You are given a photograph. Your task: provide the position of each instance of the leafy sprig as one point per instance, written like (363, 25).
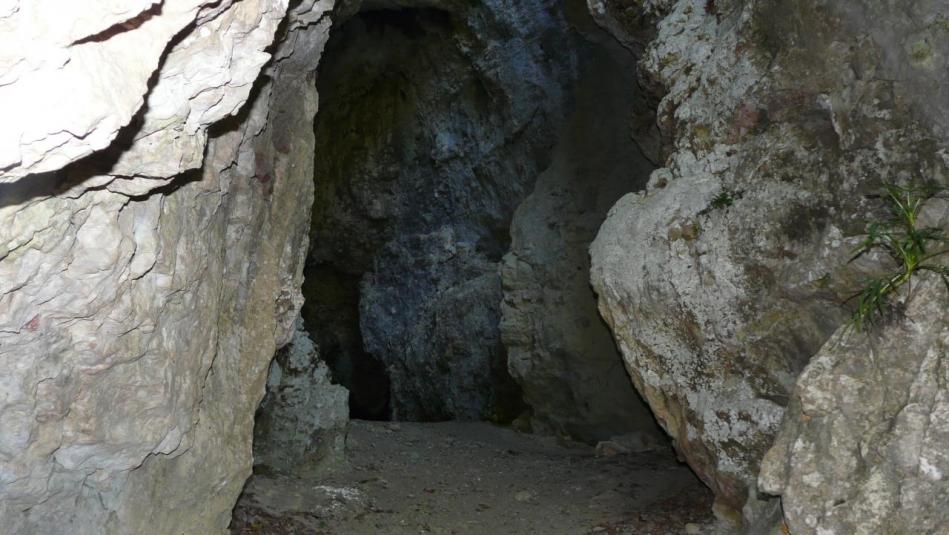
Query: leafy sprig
(913, 249)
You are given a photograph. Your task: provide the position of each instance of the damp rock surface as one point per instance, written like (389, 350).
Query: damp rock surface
(474, 478)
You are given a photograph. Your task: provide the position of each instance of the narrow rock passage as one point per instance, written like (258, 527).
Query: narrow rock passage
(475, 478)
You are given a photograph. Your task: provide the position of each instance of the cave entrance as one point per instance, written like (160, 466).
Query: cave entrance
(465, 159)
(421, 161)
(450, 224)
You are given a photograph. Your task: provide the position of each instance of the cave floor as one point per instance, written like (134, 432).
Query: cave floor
(475, 478)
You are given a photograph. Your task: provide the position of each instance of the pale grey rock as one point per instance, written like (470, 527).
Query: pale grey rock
(92, 66)
(300, 427)
(206, 77)
(136, 323)
(135, 332)
(863, 448)
(631, 22)
(725, 277)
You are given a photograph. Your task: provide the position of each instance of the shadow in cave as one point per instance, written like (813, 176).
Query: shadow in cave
(411, 213)
(448, 164)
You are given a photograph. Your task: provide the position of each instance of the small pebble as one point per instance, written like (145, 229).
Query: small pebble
(524, 496)
(609, 448)
(692, 529)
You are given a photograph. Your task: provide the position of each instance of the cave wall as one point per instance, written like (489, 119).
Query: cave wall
(438, 118)
(726, 277)
(559, 349)
(142, 295)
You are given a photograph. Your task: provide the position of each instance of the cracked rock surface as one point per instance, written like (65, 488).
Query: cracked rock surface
(174, 67)
(136, 323)
(863, 444)
(725, 277)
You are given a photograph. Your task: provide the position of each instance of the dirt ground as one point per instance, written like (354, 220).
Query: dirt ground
(478, 479)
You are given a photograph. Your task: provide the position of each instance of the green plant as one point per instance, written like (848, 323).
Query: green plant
(913, 249)
(724, 199)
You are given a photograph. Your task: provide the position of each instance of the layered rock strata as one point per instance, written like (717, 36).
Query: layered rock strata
(142, 294)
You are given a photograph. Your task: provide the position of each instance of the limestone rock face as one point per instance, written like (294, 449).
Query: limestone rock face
(726, 276)
(301, 423)
(559, 349)
(91, 67)
(136, 323)
(631, 22)
(863, 447)
(438, 120)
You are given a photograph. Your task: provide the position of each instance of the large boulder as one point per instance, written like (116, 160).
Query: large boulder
(300, 428)
(863, 448)
(727, 275)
